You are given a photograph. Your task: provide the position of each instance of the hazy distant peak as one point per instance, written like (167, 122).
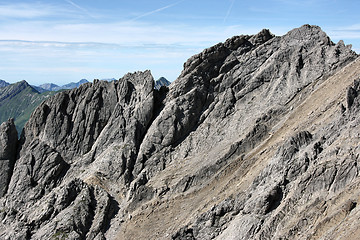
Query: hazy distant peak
(3, 83)
(49, 86)
(74, 85)
(83, 81)
(161, 82)
(54, 87)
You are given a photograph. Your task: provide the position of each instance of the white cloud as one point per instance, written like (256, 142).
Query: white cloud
(345, 32)
(354, 27)
(120, 33)
(126, 33)
(25, 10)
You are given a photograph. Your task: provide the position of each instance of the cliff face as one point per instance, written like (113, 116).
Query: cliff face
(256, 139)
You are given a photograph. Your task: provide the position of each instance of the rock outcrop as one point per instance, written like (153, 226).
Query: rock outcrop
(8, 147)
(256, 139)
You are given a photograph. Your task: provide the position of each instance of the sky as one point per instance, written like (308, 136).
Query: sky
(62, 41)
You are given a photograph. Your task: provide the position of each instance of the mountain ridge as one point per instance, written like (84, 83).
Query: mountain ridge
(18, 101)
(3, 83)
(22, 110)
(245, 144)
(54, 87)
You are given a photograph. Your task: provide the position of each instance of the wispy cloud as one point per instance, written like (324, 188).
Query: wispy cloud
(80, 8)
(344, 32)
(229, 10)
(353, 27)
(63, 61)
(116, 49)
(156, 10)
(128, 33)
(24, 10)
(21, 45)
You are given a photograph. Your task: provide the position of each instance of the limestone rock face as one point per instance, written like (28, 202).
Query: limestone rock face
(256, 139)
(8, 145)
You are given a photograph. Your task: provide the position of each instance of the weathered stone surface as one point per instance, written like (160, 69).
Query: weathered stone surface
(36, 173)
(8, 145)
(252, 141)
(208, 110)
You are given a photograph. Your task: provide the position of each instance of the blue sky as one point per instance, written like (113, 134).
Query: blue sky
(62, 41)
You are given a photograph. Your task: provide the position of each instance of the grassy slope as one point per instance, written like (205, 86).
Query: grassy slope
(21, 105)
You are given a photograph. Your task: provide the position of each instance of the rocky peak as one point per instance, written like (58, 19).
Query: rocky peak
(226, 152)
(13, 89)
(79, 115)
(307, 33)
(161, 82)
(216, 55)
(262, 37)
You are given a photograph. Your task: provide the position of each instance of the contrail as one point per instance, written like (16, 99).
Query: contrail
(80, 8)
(229, 10)
(157, 10)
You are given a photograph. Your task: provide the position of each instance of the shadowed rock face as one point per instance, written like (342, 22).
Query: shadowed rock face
(8, 145)
(256, 139)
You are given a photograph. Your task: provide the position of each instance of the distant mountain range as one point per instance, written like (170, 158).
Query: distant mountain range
(20, 99)
(53, 87)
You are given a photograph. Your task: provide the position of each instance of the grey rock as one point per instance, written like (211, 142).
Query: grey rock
(230, 150)
(8, 146)
(204, 102)
(99, 120)
(36, 173)
(352, 93)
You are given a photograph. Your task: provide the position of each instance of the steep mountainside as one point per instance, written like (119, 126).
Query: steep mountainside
(49, 87)
(3, 83)
(18, 101)
(39, 89)
(161, 82)
(256, 139)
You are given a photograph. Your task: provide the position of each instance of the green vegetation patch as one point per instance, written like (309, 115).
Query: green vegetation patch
(18, 101)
